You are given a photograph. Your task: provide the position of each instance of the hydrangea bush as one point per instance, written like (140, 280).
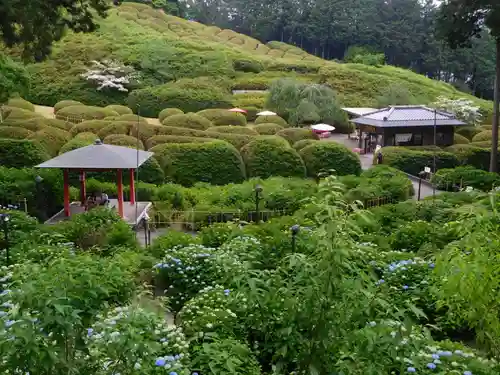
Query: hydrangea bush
(133, 340)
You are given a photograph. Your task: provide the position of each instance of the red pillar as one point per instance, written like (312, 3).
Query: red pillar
(120, 192)
(83, 188)
(66, 193)
(132, 187)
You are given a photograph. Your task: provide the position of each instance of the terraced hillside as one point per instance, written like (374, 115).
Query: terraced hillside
(187, 65)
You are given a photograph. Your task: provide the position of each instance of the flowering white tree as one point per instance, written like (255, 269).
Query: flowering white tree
(463, 109)
(108, 74)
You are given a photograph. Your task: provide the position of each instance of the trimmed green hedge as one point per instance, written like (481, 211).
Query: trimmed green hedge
(460, 139)
(77, 113)
(271, 119)
(14, 132)
(468, 131)
(21, 103)
(123, 140)
(188, 120)
(267, 128)
(145, 131)
(217, 163)
(234, 130)
(120, 109)
(92, 126)
(275, 140)
(237, 140)
(65, 103)
(162, 139)
(81, 140)
(15, 114)
(52, 139)
(167, 112)
(483, 136)
(116, 127)
(413, 162)
(223, 117)
(447, 179)
(293, 135)
(35, 124)
(265, 158)
(325, 156)
(299, 145)
(131, 118)
(16, 153)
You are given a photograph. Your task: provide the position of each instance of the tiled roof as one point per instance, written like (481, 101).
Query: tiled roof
(99, 156)
(403, 116)
(359, 111)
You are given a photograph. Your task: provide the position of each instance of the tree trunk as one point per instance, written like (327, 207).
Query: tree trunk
(496, 113)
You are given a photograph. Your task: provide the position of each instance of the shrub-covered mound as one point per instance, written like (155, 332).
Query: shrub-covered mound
(115, 127)
(52, 139)
(461, 177)
(325, 156)
(131, 117)
(267, 128)
(65, 103)
(80, 140)
(275, 140)
(77, 113)
(169, 112)
(162, 139)
(120, 109)
(234, 130)
(16, 153)
(14, 132)
(271, 119)
(92, 126)
(223, 117)
(21, 103)
(265, 158)
(216, 162)
(413, 161)
(188, 120)
(299, 145)
(460, 139)
(15, 114)
(123, 140)
(293, 135)
(468, 131)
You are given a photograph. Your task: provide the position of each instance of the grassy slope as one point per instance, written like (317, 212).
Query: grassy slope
(165, 48)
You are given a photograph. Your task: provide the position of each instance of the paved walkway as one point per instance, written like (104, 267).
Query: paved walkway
(367, 163)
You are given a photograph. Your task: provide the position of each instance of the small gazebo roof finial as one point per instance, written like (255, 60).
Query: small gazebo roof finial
(98, 142)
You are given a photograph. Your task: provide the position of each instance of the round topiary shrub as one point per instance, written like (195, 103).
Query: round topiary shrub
(162, 139)
(223, 117)
(116, 127)
(17, 153)
(217, 163)
(131, 118)
(275, 140)
(266, 158)
(151, 172)
(234, 130)
(267, 128)
(167, 112)
(293, 135)
(52, 139)
(145, 131)
(468, 131)
(89, 126)
(483, 136)
(32, 125)
(14, 132)
(459, 139)
(123, 140)
(325, 156)
(120, 109)
(65, 103)
(77, 113)
(188, 120)
(486, 127)
(271, 119)
(16, 114)
(299, 145)
(81, 140)
(21, 103)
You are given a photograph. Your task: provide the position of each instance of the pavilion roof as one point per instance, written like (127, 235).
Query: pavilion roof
(99, 156)
(408, 116)
(359, 111)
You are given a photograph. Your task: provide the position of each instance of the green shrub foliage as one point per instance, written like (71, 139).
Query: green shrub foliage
(169, 112)
(217, 163)
(14, 132)
(131, 117)
(271, 119)
(483, 136)
(460, 139)
(52, 139)
(81, 140)
(293, 135)
(223, 117)
(413, 162)
(162, 139)
(468, 131)
(16, 153)
(92, 126)
(461, 177)
(65, 103)
(123, 140)
(15, 114)
(21, 103)
(265, 158)
(267, 128)
(188, 120)
(299, 145)
(77, 113)
(326, 156)
(234, 130)
(115, 127)
(120, 109)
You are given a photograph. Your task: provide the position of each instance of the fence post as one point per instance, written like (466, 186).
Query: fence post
(25, 205)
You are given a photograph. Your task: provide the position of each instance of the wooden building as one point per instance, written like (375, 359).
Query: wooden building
(408, 125)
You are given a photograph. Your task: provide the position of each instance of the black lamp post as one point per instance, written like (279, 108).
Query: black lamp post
(258, 190)
(295, 229)
(421, 174)
(4, 219)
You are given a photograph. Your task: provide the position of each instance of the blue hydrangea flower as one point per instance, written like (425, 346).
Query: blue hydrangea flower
(432, 366)
(9, 323)
(160, 362)
(195, 373)
(163, 339)
(411, 369)
(226, 292)
(89, 332)
(405, 287)
(435, 356)
(173, 373)
(467, 372)
(432, 265)
(381, 281)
